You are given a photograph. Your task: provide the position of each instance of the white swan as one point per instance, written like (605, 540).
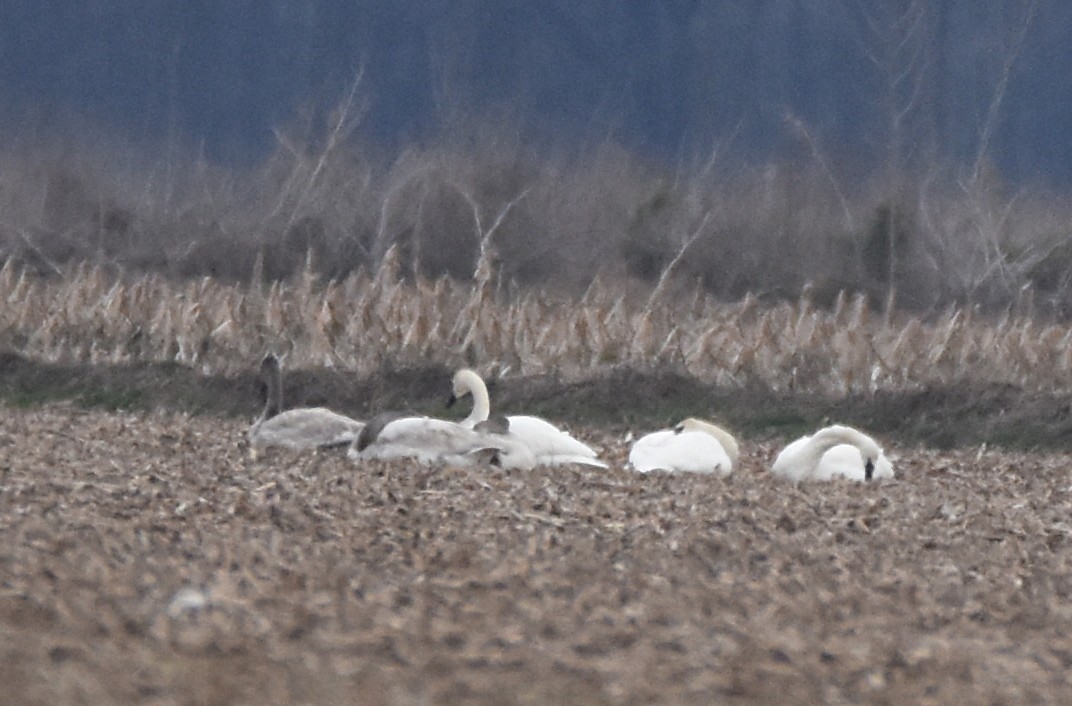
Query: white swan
(434, 441)
(833, 451)
(512, 451)
(693, 445)
(549, 444)
(297, 429)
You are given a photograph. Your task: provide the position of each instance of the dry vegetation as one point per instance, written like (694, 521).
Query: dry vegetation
(362, 323)
(554, 218)
(147, 559)
(480, 250)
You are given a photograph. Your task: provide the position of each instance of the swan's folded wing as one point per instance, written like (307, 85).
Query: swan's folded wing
(306, 428)
(425, 439)
(546, 440)
(566, 459)
(695, 452)
(649, 451)
(787, 463)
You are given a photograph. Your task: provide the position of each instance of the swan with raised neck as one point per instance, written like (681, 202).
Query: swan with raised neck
(549, 444)
(297, 429)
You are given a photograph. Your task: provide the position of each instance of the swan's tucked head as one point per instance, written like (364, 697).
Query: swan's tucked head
(869, 448)
(721, 435)
(692, 424)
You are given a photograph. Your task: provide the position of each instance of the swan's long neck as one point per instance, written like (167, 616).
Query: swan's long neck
(811, 454)
(273, 403)
(824, 440)
(728, 443)
(481, 403)
(722, 436)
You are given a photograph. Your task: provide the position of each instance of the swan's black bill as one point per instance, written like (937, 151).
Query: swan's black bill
(869, 470)
(451, 400)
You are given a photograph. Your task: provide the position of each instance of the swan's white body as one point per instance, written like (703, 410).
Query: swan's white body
(548, 444)
(835, 451)
(692, 446)
(296, 429)
(512, 452)
(426, 440)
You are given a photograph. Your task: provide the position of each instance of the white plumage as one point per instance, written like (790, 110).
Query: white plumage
(836, 451)
(548, 444)
(692, 446)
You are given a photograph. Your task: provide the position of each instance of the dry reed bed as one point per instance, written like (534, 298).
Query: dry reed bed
(365, 321)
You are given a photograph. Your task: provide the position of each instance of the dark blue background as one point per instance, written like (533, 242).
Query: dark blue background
(666, 78)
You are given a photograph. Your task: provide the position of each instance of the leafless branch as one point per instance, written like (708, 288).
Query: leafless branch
(345, 123)
(664, 278)
(801, 129)
(25, 238)
(486, 236)
(998, 97)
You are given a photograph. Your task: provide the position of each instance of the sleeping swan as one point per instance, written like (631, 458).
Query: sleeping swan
(693, 445)
(297, 429)
(833, 451)
(549, 445)
(435, 441)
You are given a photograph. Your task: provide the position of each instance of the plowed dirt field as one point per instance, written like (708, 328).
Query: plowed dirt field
(147, 559)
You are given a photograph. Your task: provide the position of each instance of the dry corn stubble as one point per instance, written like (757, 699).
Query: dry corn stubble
(361, 322)
(147, 558)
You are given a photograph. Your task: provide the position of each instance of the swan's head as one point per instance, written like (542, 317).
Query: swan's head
(372, 429)
(693, 424)
(721, 435)
(869, 448)
(269, 385)
(465, 382)
(871, 452)
(269, 369)
(269, 364)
